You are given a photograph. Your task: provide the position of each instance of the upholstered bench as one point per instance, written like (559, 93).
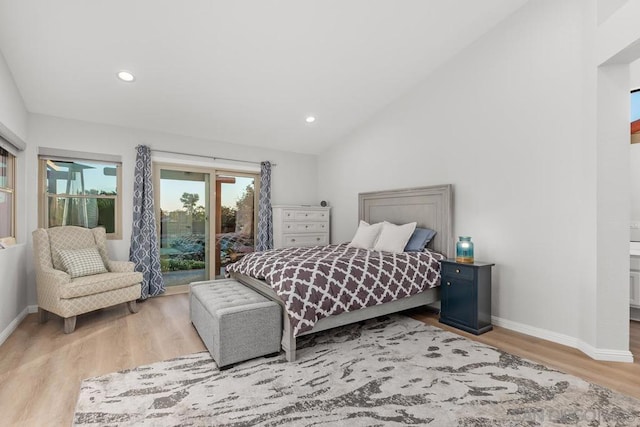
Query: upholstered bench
(235, 322)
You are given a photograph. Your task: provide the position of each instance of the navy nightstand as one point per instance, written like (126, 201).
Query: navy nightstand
(465, 294)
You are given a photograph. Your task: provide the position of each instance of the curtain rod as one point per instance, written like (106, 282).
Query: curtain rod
(208, 157)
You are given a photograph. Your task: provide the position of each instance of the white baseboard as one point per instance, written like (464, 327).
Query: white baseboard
(603, 354)
(14, 324)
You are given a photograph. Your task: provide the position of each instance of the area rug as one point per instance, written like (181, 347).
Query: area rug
(388, 371)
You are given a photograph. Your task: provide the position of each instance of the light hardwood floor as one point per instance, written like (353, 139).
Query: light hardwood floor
(41, 368)
(623, 377)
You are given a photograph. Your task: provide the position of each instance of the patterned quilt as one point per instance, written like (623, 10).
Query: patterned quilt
(321, 281)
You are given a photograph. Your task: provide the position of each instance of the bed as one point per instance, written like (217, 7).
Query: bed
(431, 207)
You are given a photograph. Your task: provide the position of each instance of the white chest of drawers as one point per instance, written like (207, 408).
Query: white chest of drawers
(295, 226)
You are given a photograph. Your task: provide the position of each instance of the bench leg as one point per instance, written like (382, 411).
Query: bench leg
(69, 324)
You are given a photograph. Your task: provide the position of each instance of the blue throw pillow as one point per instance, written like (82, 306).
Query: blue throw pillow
(419, 240)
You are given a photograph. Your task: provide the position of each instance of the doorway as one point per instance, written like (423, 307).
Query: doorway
(182, 212)
(206, 220)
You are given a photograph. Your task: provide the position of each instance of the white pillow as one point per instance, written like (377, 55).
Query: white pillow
(366, 235)
(393, 238)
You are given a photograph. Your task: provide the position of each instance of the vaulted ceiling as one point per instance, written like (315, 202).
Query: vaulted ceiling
(239, 71)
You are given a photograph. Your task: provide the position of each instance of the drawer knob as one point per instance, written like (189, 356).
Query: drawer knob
(457, 270)
(306, 226)
(293, 240)
(448, 283)
(306, 214)
(318, 239)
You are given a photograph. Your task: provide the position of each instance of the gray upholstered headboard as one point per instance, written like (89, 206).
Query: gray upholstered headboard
(430, 207)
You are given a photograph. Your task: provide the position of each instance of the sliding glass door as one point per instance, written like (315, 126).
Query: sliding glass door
(203, 227)
(236, 201)
(184, 225)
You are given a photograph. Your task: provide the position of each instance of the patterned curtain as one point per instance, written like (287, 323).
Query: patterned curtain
(264, 240)
(144, 250)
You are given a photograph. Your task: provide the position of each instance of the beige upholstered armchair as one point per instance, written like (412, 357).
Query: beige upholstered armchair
(74, 274)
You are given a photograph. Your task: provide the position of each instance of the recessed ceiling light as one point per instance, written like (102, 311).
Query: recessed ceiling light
(310, 119)
(126, 76)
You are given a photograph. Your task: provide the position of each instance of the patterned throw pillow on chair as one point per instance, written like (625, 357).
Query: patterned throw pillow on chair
(82, 262)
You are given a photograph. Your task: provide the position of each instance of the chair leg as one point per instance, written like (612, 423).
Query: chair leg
(69, 324)
(132, 306)
(43, 315)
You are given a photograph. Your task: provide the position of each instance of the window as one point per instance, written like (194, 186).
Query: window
(7, 187)
(84, 193)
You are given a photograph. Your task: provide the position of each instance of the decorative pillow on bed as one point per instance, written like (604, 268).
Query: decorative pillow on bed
(393, 238)
(82, 262)
(366, 235)
(419, 240)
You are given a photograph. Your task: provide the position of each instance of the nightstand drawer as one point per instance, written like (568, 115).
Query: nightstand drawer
(457, 271)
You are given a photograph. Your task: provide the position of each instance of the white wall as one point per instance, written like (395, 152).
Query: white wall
(12, 111)
(606, 8)
(13, 303)
(611, 306)
(13, 290)
(293, 179)
(504, 122)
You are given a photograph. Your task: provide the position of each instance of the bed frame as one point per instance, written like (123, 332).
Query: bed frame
(430, 207)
